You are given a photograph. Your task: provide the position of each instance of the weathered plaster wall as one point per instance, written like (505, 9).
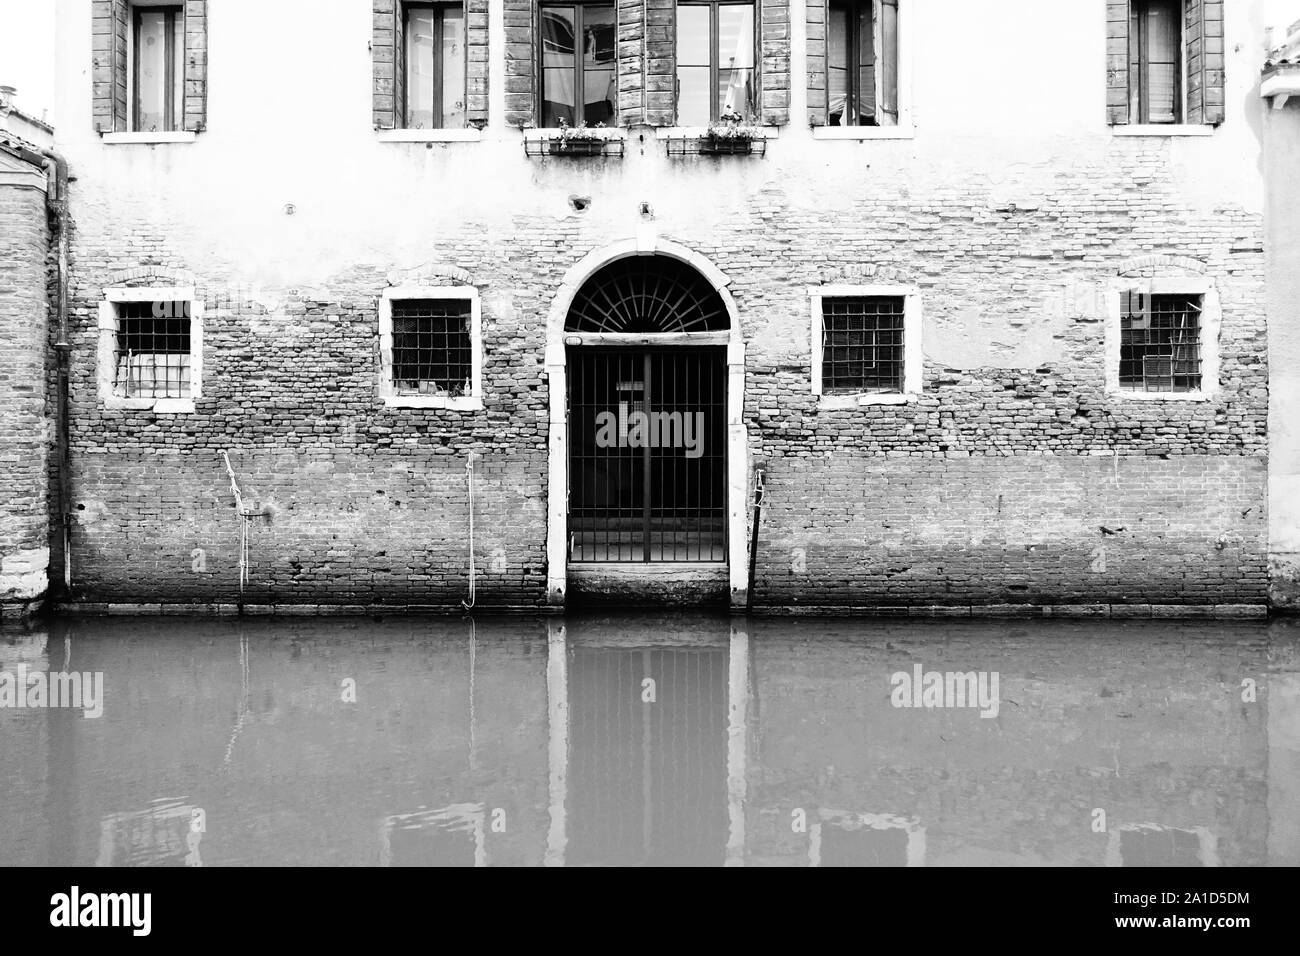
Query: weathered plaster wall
(1282, 158)
(1012, 212)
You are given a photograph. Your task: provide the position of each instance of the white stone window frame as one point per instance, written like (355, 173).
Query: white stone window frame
(1208, 851)
(107, 358)
(848, 820)
(1210, 329)
(912, 360)
(904, 128)
(387, 392)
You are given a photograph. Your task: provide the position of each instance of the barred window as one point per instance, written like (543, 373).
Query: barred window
(432, 347)
(862, 344)
(1160, 342)
(153, 353)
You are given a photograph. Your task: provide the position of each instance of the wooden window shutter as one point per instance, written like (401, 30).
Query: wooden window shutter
(522, 37)
(817, 17)
(383, 54)
(886, 52)
(774, 67)
(661, 62)
(476, 62)
(1203, 27)
(196, 65)
(108, 64)
(1117, 62)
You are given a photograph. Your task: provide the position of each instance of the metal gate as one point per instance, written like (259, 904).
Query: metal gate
(647, 446)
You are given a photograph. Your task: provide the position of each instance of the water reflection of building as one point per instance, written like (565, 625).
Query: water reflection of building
(758, 745)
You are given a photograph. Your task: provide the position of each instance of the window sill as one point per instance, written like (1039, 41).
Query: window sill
(149, 139)
(838, 402)
(1124, 395)
(166, 406)
(1160, 129)
(467, 135)
(863, 132)
(467, 403)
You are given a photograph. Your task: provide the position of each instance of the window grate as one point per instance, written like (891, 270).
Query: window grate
(432, 352)
(1160, 343)
(862, 344)
(153, 350)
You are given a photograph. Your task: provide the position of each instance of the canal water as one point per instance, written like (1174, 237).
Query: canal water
(632, 740)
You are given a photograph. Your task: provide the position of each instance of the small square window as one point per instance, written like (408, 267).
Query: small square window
(430, 347)
(153, 350)
(150, 349)
(432, 350)
(862, 345)
(1160, 342)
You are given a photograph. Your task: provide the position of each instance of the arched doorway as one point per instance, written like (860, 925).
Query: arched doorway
(645, 366)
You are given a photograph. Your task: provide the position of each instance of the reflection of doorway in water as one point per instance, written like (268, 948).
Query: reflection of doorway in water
(647, 781)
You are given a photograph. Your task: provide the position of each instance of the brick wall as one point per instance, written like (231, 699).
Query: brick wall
(24, 248)
(1013, 479)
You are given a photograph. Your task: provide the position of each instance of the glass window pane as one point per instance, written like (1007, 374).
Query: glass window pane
(692, 35)
(736, 92)
(1164, 27)
(557, 65)
(159, 43)
(736, 36)
(420, 34)
(693, 96)
(599, 64)
(453, 66)
(837, 63)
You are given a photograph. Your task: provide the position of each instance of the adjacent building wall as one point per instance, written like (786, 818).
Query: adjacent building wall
(1282, 159)
(24, 250)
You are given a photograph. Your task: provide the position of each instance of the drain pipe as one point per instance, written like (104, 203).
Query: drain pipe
(760, 491)
(57, 210)
(468, 605)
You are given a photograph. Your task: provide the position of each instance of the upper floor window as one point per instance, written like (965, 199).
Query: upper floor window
(1155, 61)
(862, 63)
(434, 54)
(1164, 64)
(716, 59)
(158, 69)
(579, 58)
(149, 69)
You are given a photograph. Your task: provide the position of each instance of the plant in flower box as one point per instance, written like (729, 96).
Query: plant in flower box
(731, 134)
(580, 140)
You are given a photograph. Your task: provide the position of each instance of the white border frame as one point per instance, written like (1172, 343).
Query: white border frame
(1211, 326)
(905, 128)
(384, 383)
(645, 243)
(912, 356)
(107, 347)
(459, 817)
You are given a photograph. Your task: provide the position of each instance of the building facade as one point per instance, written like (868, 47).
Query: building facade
(365, 310)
